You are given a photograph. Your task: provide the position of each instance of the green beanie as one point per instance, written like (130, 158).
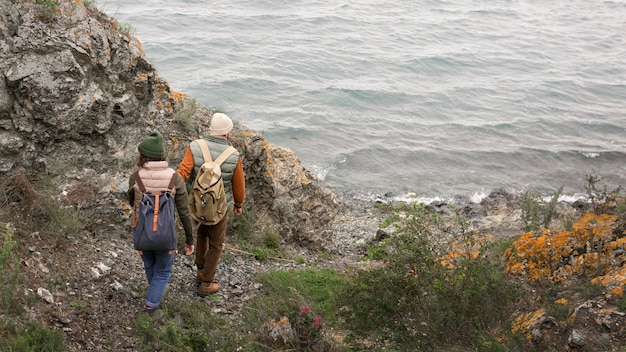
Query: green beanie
(152, 146)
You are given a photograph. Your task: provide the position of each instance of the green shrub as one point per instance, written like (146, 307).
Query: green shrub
(293, 309)
(271, 239)
(621, 304)
(601, 198)
(33, 338)
(90, 3)
(260, 252)
(537, 213)
(23, 210)
(126, 29)
(28, 201)
(49, 9)
(241, 228)
(185, 115)
(263, 243)
(435, 290)
(195, 329)
(9, 272)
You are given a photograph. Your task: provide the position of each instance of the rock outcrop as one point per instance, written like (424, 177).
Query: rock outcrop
(75, 91)
(77, 94)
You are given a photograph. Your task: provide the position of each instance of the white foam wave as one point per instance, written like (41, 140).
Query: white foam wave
(322, 171)
(590, 155)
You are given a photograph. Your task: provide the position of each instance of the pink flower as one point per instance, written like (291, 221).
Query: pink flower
(305, 310)
(317, 321)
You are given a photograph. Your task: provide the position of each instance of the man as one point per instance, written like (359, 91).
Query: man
(210, 238)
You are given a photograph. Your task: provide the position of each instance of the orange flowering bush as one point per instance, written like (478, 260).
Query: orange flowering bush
(593, 248)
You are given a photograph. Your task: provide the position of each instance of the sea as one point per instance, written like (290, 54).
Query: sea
(409, 100)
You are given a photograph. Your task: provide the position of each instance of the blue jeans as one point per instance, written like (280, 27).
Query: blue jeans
(158, 266)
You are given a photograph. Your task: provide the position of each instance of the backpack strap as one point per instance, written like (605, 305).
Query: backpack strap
(172, 183)
(204, 147)
(140, 184)
(206, 153)
(225, 154)
(155, 218)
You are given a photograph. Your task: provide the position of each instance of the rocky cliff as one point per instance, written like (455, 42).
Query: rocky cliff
(77, 94)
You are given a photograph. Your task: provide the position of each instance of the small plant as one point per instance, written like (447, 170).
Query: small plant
(201, 331)
(261, 253)
(9, 270)
(536, 212)
(28, 200)
(90, 4)
(285, 312)
(271, 239)
(185, 115)
(300, 259)
(80, 305)
(263, 243)
(308, 327)
(550, 207)
(602, 200)
(621, 304)
(50, 8)
(530, 211)
(242, 227)
(126, 29)
(553, 300)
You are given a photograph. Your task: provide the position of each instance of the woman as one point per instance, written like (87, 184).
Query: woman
(155, 175)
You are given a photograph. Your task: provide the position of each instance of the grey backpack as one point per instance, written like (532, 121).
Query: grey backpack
(156, 218)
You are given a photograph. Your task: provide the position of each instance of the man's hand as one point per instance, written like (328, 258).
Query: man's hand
(189, 249)
(237, 211)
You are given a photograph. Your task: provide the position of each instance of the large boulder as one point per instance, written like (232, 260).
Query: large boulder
(75, 90)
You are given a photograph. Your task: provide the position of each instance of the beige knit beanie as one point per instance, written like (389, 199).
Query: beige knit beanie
(220, 124)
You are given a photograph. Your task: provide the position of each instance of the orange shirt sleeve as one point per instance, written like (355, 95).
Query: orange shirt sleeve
(186, 165)
(239, 184)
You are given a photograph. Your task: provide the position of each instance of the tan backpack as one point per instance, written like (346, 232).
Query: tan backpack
(207, 200)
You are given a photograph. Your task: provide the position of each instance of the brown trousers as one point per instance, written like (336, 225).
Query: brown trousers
(209, 244)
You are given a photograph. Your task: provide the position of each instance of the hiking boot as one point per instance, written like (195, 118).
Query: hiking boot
(207, 288)
(156, 314)
(199, 274)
